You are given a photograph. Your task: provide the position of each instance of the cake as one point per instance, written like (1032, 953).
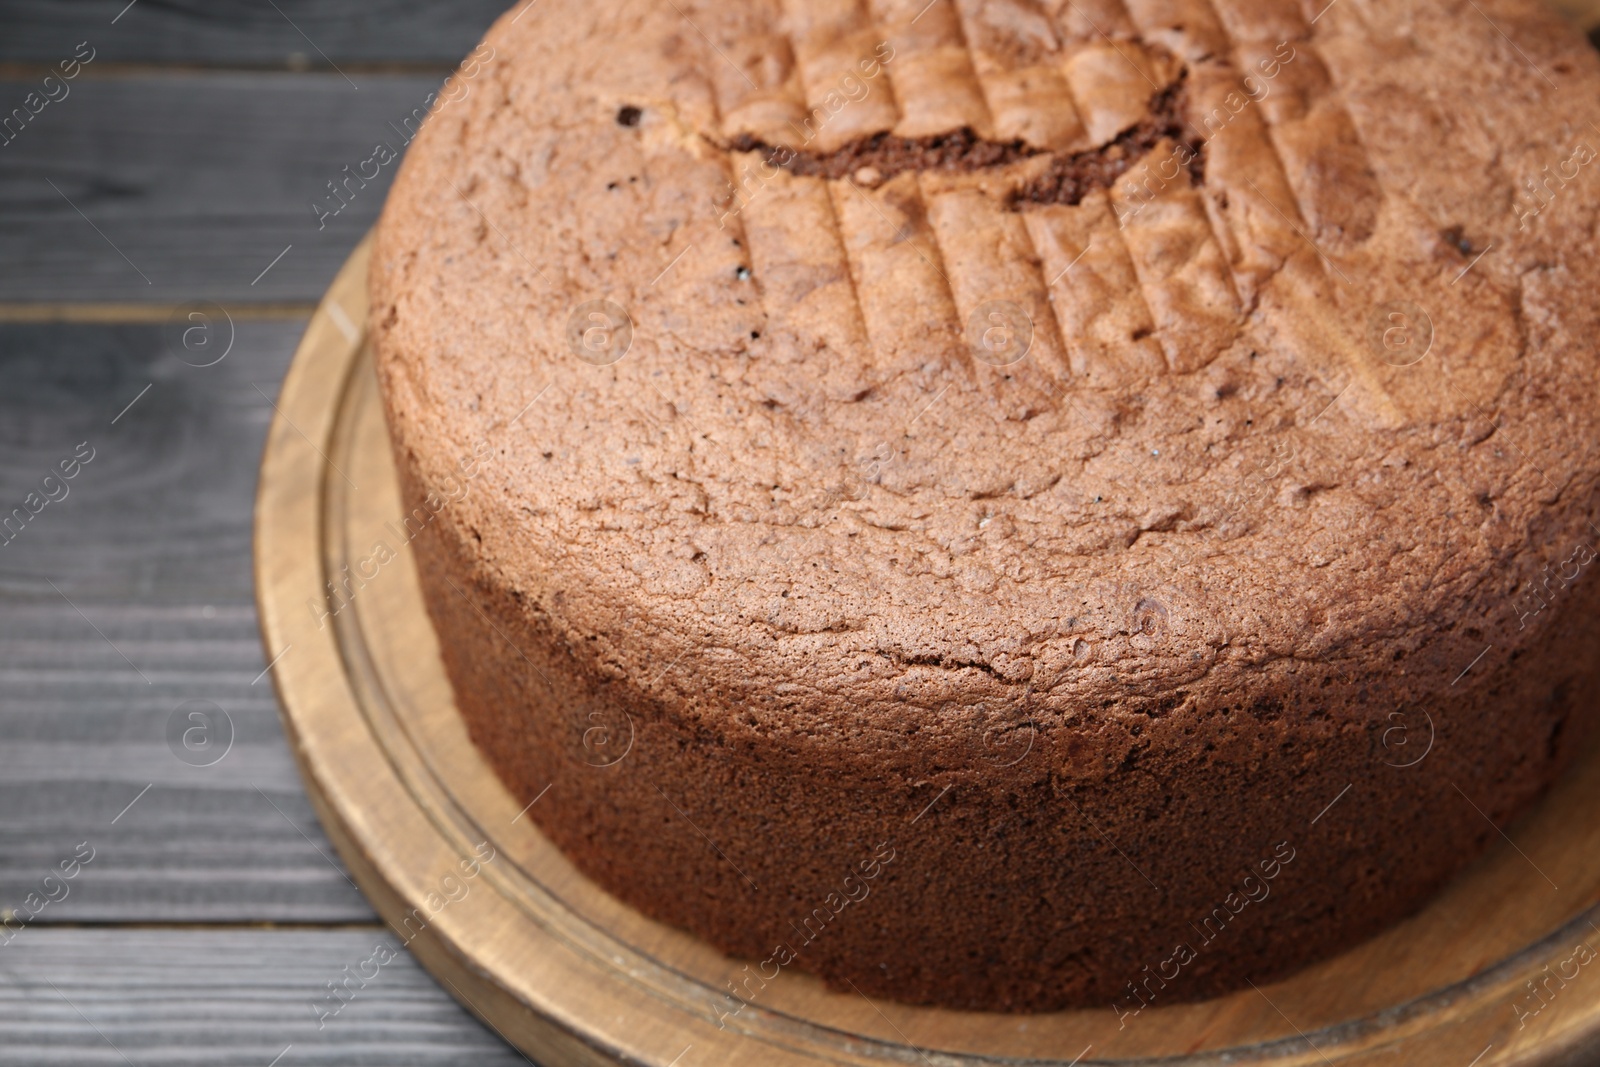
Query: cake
(1009, 505)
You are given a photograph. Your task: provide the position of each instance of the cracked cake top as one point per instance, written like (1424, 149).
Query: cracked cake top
(886, 354)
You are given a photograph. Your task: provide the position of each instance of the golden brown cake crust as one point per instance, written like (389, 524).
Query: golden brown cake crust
(1298, 470)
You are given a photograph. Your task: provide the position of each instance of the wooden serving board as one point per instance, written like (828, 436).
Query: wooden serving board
(571, 976)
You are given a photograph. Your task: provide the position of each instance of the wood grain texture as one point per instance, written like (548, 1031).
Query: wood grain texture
(233, 32)
(188, 186)
(229, 998)
(162, 511)
(148, 552)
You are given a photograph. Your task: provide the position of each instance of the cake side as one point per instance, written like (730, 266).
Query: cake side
(1064, 879)
(1078, 637)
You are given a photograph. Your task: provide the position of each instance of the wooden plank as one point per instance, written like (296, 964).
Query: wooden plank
(191, 186)
(303, 33)
(162, 511)
(228, 997)
(121, 603)
(86, 737)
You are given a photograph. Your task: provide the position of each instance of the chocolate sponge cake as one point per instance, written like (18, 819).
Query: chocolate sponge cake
(1009, 504)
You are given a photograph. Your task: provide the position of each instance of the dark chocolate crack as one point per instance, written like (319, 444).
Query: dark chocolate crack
(875, 159)
(883, 156)
(1072, 177)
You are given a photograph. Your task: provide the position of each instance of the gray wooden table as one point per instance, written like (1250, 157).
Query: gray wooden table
(179, 164)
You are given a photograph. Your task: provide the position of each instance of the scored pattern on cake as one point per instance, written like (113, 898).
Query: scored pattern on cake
(1148, 276)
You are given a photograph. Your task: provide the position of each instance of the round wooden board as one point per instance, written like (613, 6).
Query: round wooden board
(571, 976)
